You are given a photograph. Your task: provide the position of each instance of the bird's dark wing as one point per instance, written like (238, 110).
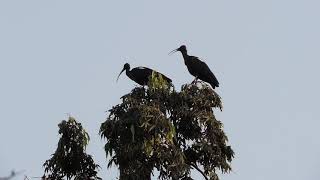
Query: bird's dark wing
(141, 75)
(151, 70)
(204, 72)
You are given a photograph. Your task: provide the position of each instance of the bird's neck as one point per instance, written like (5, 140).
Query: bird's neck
(128, 72)
(185, 55)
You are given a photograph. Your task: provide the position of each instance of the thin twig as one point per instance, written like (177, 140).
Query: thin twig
(197, 168)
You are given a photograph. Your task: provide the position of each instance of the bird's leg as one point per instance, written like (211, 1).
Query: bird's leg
(194, 81)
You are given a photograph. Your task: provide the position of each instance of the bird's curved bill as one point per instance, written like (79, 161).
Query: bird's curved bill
(173, 51)
(120, 74)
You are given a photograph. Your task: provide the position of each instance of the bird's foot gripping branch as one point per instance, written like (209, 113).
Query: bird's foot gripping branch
(173, 132)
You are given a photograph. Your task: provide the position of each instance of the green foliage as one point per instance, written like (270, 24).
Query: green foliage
(70, 159)
(157, 82)
(173, 132)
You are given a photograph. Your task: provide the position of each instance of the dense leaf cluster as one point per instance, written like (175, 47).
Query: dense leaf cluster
(70, 159)
(173, 132)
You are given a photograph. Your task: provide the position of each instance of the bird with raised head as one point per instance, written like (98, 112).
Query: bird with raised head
(197, 68)
(141, 75)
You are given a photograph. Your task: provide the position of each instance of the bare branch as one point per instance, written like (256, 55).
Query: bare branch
(198, 169)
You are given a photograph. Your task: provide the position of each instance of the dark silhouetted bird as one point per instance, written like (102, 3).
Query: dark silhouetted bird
(197, 68)
(141, 75)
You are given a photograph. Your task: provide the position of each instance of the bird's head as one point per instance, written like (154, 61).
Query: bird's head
(125, 67)
(182, 49)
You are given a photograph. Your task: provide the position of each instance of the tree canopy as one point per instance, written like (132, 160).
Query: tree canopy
(170, 131)
(70, 159)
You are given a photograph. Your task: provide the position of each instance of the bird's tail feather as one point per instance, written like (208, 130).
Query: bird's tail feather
(214, 85)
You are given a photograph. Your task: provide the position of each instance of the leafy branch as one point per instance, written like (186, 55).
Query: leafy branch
(160, 128)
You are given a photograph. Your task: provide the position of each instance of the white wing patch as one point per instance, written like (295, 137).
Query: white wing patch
(140, 67)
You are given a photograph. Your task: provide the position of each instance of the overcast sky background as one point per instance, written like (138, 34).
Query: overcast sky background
(59, 57)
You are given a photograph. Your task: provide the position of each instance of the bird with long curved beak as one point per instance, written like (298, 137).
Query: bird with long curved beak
(141, 75)
(197, 68)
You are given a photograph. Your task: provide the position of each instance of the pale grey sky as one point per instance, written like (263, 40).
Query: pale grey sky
(60, 57)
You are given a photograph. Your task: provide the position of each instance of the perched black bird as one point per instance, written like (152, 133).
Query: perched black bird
(197, 68)
(141, 75)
